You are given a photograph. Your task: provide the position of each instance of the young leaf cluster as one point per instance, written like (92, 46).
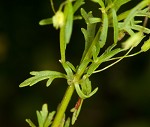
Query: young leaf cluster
(45, 118)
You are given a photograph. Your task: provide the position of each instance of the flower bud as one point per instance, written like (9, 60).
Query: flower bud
(58, 19)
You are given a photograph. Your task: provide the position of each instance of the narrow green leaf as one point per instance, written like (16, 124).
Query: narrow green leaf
(48, 121)
(46, 73)
(30, 123)
(104, 57)
(39, 117)
(71, 66)
(143, 15)
(68, 70)
(86, 15)
(123, 15)
(109, 49)
(77, 4)
(46, 21)
(104, 30)
(88, 54)
(83, 66)
(33, 80)
(100, 2)
(94, 52)
(118, 3)
(90, 36)
(115, 25)
(144, 12)
(98, 60)
(67, 123)
(77, 17)
(37, 79)
(76, 112)
(141, 28)
(134, 11)
(84, 31)
(94, 20)
(44, 113)
(86, 86)
(62, 44)
(68, 12)
(107, 55)
(81, 94)
(49, 81)
(93, 92)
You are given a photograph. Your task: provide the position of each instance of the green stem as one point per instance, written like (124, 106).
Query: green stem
(63, 106)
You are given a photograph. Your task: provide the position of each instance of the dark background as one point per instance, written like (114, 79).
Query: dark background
(123, 99)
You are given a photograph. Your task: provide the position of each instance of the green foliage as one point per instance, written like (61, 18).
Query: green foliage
(96, 38)
(44, 117)
(42, 75)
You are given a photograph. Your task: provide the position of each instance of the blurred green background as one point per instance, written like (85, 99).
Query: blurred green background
(123, 99)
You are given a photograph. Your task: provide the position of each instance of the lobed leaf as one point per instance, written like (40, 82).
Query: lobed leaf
(89, 34)
(43, 114)
(45, 118)
(42, 75)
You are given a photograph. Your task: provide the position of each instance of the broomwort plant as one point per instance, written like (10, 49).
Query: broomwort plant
(126, 26)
